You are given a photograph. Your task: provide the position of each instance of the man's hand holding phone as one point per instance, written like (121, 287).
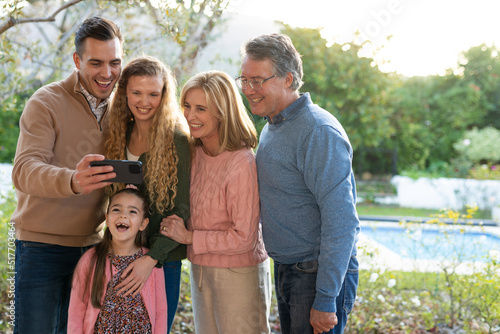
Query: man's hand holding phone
(87, 179)
(127, 171)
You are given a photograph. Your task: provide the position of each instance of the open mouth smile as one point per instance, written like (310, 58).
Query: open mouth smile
(104, 84)
(122, 227)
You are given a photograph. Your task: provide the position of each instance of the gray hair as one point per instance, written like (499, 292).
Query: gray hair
(279, 49)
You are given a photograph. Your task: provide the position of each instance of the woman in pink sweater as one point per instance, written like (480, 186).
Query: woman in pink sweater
(230, 274)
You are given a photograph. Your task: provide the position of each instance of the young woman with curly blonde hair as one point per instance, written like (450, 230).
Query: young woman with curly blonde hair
(146, 125)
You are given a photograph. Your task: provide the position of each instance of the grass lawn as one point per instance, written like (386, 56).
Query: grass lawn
(390, 210)
(386, 210)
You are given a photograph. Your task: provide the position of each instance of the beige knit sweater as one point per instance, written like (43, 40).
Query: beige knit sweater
(57, 128)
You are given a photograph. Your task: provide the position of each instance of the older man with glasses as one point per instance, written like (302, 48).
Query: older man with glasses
(307, 191)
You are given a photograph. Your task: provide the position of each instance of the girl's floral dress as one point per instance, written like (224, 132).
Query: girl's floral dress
(122, 314)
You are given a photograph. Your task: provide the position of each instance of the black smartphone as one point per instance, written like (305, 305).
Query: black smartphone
(127, 171)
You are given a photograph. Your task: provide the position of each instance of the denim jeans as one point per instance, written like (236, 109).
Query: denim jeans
(43, 286)
(296, 289)
(172, 271)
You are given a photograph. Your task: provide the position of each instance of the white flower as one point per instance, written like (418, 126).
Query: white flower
(373, 277)
(466, 142)
(381, 298)
(415, 300)
(391, 283)
(494, 254)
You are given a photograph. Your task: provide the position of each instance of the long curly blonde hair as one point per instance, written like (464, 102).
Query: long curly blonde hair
(161, 165)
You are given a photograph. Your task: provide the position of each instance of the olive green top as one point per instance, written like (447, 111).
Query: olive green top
(163, 248)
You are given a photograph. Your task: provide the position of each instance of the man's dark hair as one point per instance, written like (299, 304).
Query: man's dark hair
(96, 27)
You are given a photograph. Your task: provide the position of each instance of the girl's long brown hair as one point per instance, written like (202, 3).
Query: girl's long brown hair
(161, 165)
(98, 261)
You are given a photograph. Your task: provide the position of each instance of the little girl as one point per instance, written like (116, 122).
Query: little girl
(95, 306)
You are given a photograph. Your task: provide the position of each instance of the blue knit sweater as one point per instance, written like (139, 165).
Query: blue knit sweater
(307, 194)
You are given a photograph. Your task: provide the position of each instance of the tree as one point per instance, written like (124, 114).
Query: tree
(191, 27)
(36, 40)
(481, 70)
(431, 113)
(13, 9)
(350, 87)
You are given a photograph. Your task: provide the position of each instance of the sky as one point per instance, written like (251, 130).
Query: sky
(427, 35)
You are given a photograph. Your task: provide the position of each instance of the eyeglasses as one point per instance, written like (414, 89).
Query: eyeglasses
(254, 84)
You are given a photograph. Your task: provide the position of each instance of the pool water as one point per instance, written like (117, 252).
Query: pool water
(432, 244)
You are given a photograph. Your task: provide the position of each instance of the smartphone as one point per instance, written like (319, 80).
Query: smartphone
(127, 171)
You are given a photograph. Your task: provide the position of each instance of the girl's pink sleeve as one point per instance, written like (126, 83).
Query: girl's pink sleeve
(78, 301)
(161, 302)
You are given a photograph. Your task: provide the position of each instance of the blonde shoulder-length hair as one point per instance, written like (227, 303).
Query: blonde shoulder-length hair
(236, 128)
(161, 164)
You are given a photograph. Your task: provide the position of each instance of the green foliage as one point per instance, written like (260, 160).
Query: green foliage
(381, 210)
(392, 302)
(9, 114)
(431, 114)
(479, 145)
(485, 287)
(481, 70)
(348, 86)
(420, 117)
(184, 319)
(7, 252)
(485, 172)
(456, 168)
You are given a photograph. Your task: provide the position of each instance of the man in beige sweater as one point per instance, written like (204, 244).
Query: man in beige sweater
(60, 200)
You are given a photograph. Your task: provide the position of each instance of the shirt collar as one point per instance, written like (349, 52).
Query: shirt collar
(289, 111)
(92, 100)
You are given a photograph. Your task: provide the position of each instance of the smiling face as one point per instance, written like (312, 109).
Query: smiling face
(144, 96)
(202, 123)
(125, 218)
(274, 95)
(99, 66)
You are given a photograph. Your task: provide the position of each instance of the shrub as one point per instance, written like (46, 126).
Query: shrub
(10, 111)
(485, 172)
(7, 252)
(480, 146)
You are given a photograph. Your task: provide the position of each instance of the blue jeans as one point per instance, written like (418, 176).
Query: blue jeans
(43, 286)
(296, 289)
(172, 272)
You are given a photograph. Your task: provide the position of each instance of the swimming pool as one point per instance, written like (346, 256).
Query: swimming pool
(424, 242)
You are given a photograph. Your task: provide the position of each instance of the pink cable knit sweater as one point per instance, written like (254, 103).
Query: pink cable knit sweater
(225, 210)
